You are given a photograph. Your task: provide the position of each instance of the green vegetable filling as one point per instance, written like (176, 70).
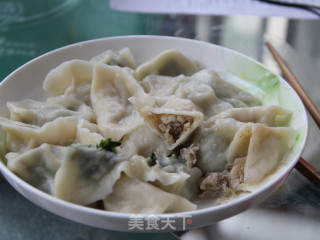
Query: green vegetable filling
(108, 145)
(152, 160)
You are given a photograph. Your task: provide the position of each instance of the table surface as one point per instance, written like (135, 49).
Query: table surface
(292, 212)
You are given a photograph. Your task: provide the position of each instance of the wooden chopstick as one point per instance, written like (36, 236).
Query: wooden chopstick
(305, 168)
(312, 108)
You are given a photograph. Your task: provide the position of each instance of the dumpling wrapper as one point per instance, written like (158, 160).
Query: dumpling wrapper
(37, 113)
(87, 177)
(37, 166)
(211, 156)
(21, 136)
(272, 115)
(70, 78)
(148, 200)
(229, 92)
(216, 134)
(84, 175)
(172, 118)
(111, 87)
(121, 58)
(211, 94)
(169, 63)
(264, 148)
(88, 133)
(143, 142)
(161, 86)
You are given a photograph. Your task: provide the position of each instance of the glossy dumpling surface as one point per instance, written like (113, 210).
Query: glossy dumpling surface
(169, 63)
(173, 119)
(110, 90)
(37, 112)
(150, 200)
(70, 78)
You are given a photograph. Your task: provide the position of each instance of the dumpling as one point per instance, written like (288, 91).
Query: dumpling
(204, 88)
(161, 86)
(87, 175)
(232, 94)
(254, 142)
(172, 182)
(121, 58)
(194, 88)
(37, 113)
(179, 164)
(70, 78)
(269, 115)
(254, 154)
(72, 173)
(199, 88)
(216, 134)
(226, 127)
(37, 166)
(172, 118)
(212, 94)
(212, 153)
(169, 63)
(144, 142)
(191, 189)
(110, 90)
(87, 133)
(21, 136)
(83, 174)
(148, 200)
(3, 145)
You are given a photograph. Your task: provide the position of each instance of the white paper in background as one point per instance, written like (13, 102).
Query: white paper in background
(215, 7)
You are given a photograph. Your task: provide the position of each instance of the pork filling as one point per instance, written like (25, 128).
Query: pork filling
(172, 126)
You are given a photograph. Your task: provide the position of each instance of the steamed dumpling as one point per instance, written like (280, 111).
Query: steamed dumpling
(82, 174)
(212, 154)
(87, 133)
(86, 175)
(144, 142)
(269, 115)
(169, 63)
(37, 166)
(254, 142)
(110, 90)
(148, 200)
(216, 134)
(199, 88)
(161, 86)
(205, 89)
(121, 58)
(70, 78)
(21, 136)
(173, 119)
(37, 112)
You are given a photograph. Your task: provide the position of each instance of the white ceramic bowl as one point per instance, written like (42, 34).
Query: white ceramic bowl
(26, 82)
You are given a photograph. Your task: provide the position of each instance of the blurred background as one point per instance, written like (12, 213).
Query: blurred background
(31, 28)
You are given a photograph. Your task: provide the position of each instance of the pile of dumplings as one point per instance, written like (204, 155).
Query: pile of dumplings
(185, 135)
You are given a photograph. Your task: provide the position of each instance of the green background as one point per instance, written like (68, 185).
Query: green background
(31, 28)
